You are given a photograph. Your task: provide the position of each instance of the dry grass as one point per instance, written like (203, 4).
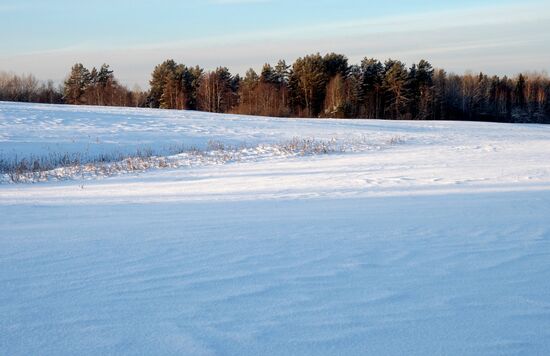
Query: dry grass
(75, 166)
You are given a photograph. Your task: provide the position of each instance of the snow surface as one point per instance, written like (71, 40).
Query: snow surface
(434, 238)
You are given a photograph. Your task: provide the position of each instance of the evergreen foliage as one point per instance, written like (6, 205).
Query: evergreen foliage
(313, 86)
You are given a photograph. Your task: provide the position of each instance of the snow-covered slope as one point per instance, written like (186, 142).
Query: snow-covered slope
(419, 238)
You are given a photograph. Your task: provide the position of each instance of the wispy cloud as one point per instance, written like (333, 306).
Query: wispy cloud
(229, 2)
(426, 21)
(11, 7)
(501, 39)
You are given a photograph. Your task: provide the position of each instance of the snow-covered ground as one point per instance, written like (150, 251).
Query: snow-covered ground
(418, 238)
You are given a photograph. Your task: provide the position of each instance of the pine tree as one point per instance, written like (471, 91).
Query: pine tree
(519, 92)
(336, 64)
(412, 88)
(395, 87)
(353, 93)
(76, 85)
(439, 96)
(190, 81)
(308, 83)
(106, 85)
(162, 74)
(425, 85)
(371, 87)
(282, 72)
(248, 99)
(268, 74)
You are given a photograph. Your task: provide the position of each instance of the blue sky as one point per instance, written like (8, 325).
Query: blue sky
(45, 37)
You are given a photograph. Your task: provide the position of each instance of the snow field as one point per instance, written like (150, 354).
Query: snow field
(436, 244)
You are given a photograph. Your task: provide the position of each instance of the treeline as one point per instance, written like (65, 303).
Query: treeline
(313, 86)
(27, 88)
(82, 87)
(99, 87)
(328, 86)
